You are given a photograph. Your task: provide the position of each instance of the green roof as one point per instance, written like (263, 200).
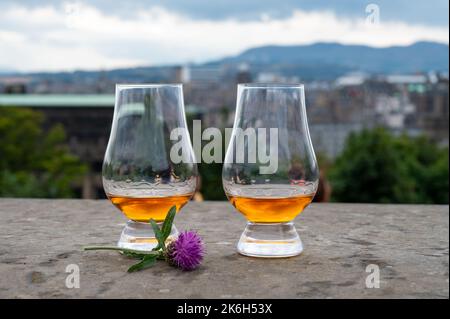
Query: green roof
(67, 100)
(57, 100)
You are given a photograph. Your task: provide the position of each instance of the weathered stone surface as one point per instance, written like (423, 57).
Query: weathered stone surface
(409, 243)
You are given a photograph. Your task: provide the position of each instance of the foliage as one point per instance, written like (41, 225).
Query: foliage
(377, 167)
(34, 162)
(211, 181)
(210, 173)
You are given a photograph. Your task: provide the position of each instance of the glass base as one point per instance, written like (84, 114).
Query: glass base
(140, 236)
(270, 240)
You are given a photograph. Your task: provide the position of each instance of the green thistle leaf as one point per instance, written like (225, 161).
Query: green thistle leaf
(146, 262)
(159, 236)
(167, 225)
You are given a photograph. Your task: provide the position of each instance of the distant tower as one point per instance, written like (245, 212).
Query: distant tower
(183, 74)
(243, 75)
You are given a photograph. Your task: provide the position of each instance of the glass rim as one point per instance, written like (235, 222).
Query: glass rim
(146, 85)
(269, 85)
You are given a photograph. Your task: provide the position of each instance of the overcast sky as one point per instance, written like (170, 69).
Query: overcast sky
(102, 34)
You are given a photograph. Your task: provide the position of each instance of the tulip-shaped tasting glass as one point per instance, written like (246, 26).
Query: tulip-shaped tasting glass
(149, 164)
(270, 172)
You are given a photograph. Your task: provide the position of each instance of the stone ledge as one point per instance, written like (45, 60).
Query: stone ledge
(408, 242)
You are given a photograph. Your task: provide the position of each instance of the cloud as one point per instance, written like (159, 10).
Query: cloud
(80, 36)
(430, 12)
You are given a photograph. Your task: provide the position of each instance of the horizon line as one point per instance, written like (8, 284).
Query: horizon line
(166, 65)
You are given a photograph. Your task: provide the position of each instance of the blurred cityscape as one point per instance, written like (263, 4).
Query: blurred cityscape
(340, 102)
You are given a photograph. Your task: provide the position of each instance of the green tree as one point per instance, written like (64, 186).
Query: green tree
(211, 181)
(428, 166)
(210, 174)
(377, 167)
(35, 163)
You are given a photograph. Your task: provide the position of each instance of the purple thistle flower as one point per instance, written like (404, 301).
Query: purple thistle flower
(186, 252)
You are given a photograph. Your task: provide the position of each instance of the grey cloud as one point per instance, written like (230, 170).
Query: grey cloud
(431, 12)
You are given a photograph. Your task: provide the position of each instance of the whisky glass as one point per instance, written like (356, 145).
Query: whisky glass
(270, 173)
(149, 164)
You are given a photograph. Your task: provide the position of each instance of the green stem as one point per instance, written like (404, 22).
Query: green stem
(121, 249)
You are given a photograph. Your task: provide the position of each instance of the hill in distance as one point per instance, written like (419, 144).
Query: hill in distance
(319, 61)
